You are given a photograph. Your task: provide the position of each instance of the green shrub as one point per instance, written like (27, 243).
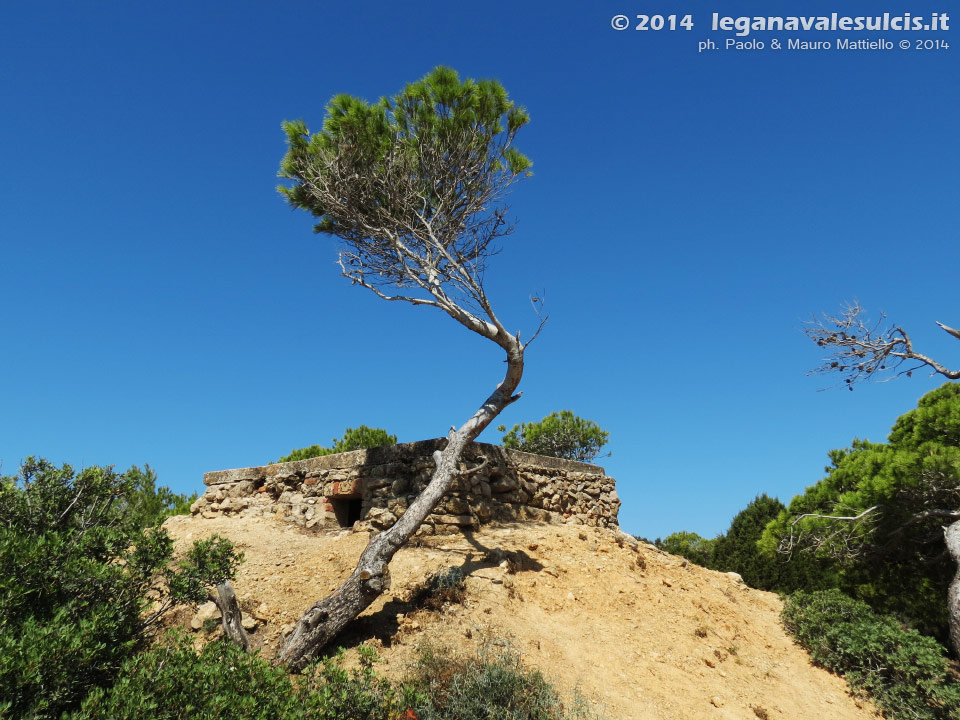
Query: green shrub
(560, 434)
(77, 572)
(493, 685)
(149, 505)
(904, 672)
(69, 612)
(333, 693)
(443, 586)
(353, 439)
(172, 681)
(690, 545)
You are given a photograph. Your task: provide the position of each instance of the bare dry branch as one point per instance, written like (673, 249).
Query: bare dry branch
(860, 350)
(452, 220)
(841, 538)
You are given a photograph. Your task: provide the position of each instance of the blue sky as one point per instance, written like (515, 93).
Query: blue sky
(161, 304)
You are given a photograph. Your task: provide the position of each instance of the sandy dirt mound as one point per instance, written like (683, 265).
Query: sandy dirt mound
(642, 634)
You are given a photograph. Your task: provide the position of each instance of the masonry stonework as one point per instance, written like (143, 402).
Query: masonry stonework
(370, 489)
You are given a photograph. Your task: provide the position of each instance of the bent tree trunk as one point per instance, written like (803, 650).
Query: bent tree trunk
(371, 577)
(951, 534)
(230, 615)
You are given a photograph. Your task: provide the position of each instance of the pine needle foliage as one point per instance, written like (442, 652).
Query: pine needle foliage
(412, 184)
(353, 439)
(877, 517)
(560, 434)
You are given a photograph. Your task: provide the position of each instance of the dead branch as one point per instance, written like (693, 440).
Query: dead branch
(861, 350)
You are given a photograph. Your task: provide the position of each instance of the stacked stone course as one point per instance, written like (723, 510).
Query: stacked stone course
(370, 489)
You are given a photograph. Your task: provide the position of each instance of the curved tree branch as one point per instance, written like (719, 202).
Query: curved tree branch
(860, 350)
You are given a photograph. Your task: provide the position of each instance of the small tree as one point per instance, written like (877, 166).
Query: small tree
(353, 439)
(737, 550)
(878, 516)
(151, 505)
(560, 434)
(413, 186)
(694, 547)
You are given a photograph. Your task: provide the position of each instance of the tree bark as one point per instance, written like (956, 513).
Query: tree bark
(230, 615)
(371, 577)
(951, 535)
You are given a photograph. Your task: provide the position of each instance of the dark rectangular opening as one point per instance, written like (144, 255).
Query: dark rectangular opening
(347, 510)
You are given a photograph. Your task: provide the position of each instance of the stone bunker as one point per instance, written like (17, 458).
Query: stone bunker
(370, 489)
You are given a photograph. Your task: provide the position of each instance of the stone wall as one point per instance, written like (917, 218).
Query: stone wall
(374, 487)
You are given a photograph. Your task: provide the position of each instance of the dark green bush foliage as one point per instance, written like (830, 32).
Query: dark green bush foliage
(893, 558)
(151, 505)
(447, 585)
(560, 434)
(904, 672)
(690, 545)
(353, 439)
(77, 571)
(493, 685)
(208, 562)
(737, 550)
(69, 612)
(172, 681)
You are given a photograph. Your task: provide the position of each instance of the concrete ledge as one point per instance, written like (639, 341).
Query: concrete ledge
(400, 453)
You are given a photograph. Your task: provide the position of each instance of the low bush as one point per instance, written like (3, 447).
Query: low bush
(353, 439)
(560, 434)
(904, 672)
(447, 585)
(491, 685)
(172, 681)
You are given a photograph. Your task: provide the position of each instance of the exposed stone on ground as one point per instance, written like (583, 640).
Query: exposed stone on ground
(207, 611)
(248, 622)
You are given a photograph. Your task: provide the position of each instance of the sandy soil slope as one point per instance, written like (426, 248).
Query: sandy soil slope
(642, 634)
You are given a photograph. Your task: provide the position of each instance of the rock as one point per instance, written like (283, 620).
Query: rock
(483, 509)
(381, 517)
(207, 611)
(736, 578)
(716, 701)
(503, 484)
(262, 612)
(457, 506)
(248, 622)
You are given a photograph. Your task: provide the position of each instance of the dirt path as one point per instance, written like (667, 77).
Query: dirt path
(641, 632)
